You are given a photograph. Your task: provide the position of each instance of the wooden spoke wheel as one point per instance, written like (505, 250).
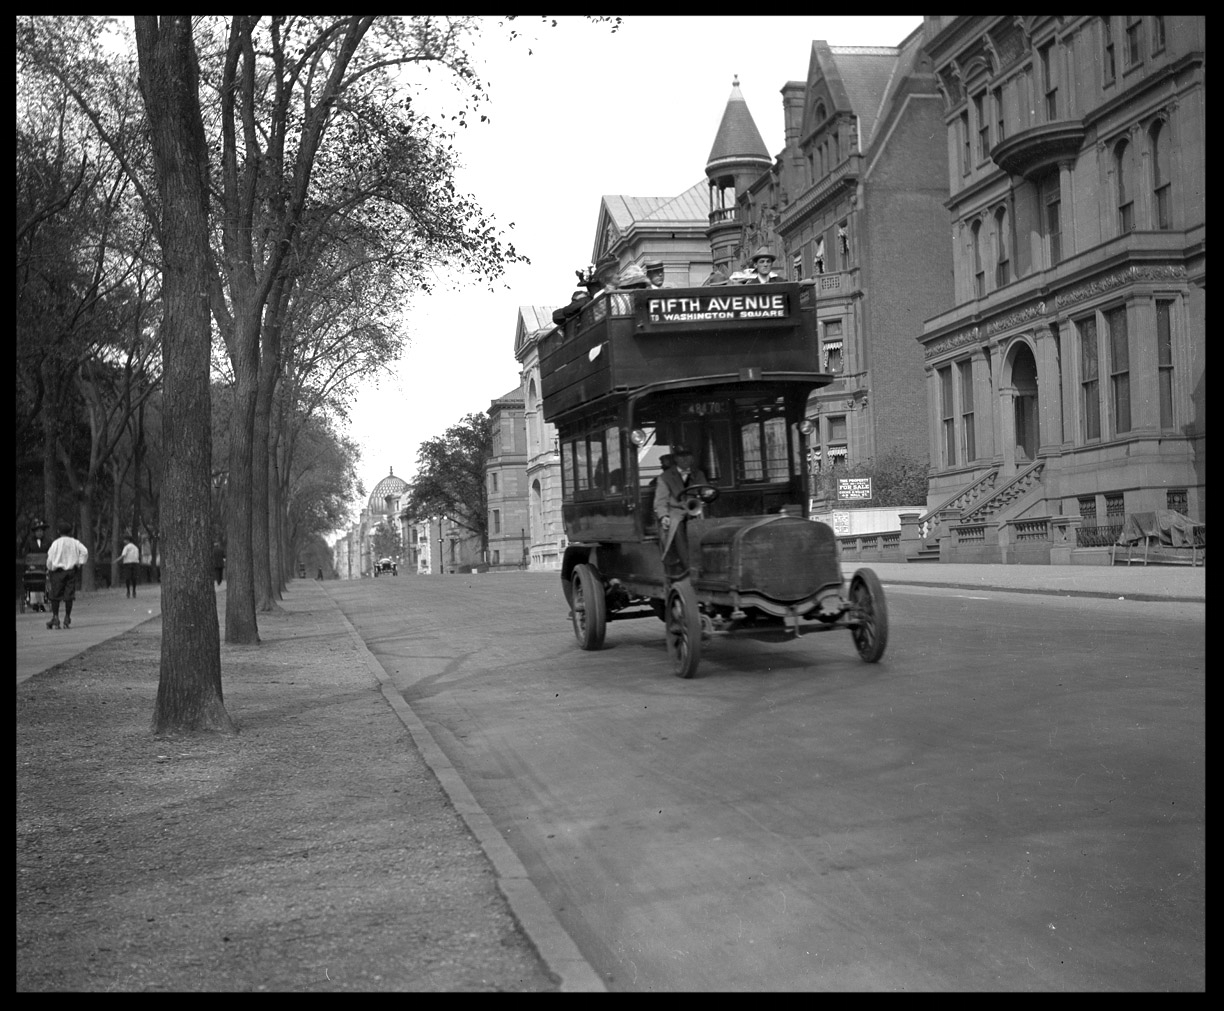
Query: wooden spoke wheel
(868, 615)
(589, 609)
(683, 629)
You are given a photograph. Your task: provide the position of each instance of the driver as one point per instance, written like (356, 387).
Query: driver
(669, 508)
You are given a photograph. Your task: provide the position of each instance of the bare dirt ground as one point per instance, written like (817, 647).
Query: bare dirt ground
(314, 850)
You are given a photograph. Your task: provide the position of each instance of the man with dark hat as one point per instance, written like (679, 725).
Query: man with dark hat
(37, 544)
(655, 274)
(669, 507)
(577, 300)
(762, 267)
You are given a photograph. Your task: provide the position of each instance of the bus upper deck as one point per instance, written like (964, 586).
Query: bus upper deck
(623, 341)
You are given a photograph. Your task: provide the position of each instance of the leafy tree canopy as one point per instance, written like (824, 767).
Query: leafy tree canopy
(450, 478)
(387, 543)
(897, 479)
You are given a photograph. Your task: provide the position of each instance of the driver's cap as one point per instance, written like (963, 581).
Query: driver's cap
(681, 450)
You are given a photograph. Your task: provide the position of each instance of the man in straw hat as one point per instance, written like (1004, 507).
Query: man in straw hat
(762, 267)
(632, 277)
(655, 274)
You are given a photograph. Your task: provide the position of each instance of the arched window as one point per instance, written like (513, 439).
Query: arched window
(979, 276)
(1003, 248)
(1161, 190)
(820, 114)
(1125, 171)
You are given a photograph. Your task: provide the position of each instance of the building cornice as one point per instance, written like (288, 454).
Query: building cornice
(844, 176)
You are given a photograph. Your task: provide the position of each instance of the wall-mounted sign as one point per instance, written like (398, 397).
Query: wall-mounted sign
(853, 488)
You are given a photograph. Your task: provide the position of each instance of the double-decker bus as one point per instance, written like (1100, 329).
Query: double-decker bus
(726, 372)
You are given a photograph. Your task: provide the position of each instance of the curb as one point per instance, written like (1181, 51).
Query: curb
(1051, 591)
(529, 907)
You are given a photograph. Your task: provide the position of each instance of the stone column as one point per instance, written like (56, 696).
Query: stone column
(911, 535)
(1007, 428)
(1063, 534)
(983, 406)
(1049, 388)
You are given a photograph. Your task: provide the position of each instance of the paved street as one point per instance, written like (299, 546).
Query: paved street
(1013, 799)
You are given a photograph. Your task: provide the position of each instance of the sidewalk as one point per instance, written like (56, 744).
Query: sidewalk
(315, 850)
(96, 617)
(1134, 582)
(103, 614)
(323, 848)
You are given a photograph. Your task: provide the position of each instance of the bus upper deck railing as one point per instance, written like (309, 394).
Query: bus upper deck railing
(626, 340)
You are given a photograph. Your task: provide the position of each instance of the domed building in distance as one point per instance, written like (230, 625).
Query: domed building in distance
(387, 498)
(384, 505)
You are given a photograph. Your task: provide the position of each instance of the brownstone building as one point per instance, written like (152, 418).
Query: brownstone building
(854, 206)
(1065, 381)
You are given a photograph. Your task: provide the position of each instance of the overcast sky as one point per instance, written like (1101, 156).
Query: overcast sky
(589, 112)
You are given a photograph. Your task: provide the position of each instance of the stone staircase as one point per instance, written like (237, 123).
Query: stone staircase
(975, 512)
(934, 524)
(1008, 495)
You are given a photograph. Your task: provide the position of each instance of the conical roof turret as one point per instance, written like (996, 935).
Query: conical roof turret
(738, 139)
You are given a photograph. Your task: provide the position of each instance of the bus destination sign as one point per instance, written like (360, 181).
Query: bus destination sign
(664, 312)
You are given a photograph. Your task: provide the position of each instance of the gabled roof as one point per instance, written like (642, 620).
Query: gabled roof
(532, 320)
(515, 396)
(687, 206)
(738, 136)
(533, 317)
(620, 214)
(861, 80)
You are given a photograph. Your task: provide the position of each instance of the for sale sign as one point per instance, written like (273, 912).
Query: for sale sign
(853, 489)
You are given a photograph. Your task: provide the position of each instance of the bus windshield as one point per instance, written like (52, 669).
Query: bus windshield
(736, 439)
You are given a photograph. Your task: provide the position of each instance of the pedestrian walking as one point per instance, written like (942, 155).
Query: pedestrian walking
(218, 561)
(65, 555)
(35, 552)
(130, 559)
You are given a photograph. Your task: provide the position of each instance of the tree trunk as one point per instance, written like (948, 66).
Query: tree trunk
(85, 512)
(240, 623)
(261, 514)
(274, 525)
(189, 689)
(50, 436)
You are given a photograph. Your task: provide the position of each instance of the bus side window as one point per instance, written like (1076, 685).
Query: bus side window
(567, 470)
(616, 476)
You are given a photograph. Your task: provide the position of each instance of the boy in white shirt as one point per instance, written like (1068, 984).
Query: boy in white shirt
(64, 557)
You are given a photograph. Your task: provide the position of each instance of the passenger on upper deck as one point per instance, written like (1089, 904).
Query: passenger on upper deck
(655, 274)
(717, 278)
(577, 300)
(762, 264)
(631, 277)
